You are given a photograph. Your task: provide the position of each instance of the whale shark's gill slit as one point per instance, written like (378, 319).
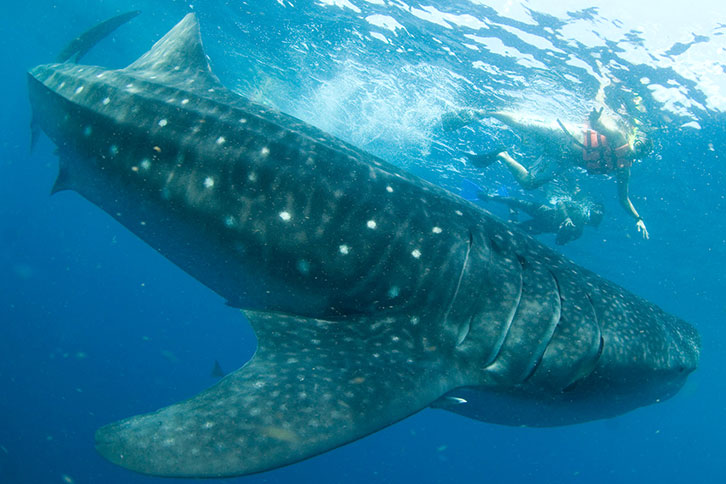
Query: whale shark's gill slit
(464, 330)
(505, 333)
(596, 358)
(601, 343)
(546, 341)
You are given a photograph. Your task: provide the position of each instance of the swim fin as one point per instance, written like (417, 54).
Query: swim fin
(470, 190)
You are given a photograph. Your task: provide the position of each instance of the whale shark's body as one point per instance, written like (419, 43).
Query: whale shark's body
(373, 294)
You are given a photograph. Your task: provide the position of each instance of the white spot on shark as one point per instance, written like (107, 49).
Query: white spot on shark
(389, 189)
(221, 140)
(145, 164)
(106, 100)
(416, 253)
(163, 122)
(113, 150)
(285, 216)
(265, 151)
(208, 182)
(394, 291)
(79, 90)
(344, 249)
(371, 224)
(229, 221)
(184, 101)
(436, 230)
(303, 266)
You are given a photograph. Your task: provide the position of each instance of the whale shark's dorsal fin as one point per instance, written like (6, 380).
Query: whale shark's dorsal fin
(178, 56)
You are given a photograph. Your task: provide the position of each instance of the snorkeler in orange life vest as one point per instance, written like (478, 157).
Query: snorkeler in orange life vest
(600, 147)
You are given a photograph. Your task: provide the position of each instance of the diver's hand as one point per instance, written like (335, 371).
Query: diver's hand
(642, 229)
(595, 116)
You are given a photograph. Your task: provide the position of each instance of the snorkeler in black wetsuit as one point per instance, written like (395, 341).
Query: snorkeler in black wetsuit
(566, 218)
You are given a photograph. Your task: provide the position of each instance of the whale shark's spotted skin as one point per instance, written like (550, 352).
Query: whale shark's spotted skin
(373, 293)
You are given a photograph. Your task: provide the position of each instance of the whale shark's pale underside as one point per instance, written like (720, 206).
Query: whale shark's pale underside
(373, 294)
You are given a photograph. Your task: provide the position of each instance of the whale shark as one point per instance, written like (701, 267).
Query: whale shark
(373, 294)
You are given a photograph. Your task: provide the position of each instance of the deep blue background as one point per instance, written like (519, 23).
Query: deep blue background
(96, 326)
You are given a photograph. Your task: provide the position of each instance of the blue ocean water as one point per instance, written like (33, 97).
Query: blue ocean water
(96, 326)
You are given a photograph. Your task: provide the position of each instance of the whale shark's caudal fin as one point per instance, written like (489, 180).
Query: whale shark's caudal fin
(80, 46)
(312, 385)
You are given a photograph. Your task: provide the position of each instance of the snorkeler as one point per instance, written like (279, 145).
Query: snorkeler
(566, 218)
(601, 147)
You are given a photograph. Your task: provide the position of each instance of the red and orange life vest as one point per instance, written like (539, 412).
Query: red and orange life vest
(599, 158)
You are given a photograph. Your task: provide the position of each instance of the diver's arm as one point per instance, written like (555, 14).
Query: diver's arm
(564, 215)
(623, 176)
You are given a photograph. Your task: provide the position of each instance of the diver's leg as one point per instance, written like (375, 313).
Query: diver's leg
(524, 177)
(547, 132)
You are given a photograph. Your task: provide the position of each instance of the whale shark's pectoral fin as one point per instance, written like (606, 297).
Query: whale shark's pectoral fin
(312, 385)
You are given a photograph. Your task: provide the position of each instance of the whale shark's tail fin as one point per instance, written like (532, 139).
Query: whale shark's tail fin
(313, 385)
(80, 46)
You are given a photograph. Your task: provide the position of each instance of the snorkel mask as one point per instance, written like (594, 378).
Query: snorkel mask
(642, 144)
